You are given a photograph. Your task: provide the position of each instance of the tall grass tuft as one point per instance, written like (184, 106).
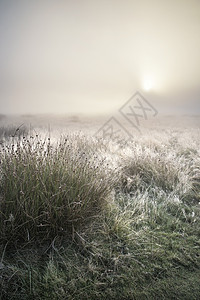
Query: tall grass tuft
(50, 189)
(146, 168)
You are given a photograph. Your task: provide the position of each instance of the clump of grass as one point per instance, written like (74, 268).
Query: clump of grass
(145, 167)
(48, 189)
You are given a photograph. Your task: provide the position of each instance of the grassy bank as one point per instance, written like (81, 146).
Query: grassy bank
(83, 221)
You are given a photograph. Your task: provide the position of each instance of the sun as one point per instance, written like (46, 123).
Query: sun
(148, 84)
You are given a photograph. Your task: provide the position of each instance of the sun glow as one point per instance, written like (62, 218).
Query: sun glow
(148, 84)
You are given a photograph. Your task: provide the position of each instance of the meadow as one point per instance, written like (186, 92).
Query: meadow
(85, 218)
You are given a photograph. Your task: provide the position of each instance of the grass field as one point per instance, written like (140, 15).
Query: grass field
(82, 218)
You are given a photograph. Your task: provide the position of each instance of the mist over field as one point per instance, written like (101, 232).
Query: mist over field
(99, 149)
(89, 57)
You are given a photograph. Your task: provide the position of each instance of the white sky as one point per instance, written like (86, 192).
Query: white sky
(90, 56)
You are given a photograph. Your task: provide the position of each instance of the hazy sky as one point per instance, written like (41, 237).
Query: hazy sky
(90, 56)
